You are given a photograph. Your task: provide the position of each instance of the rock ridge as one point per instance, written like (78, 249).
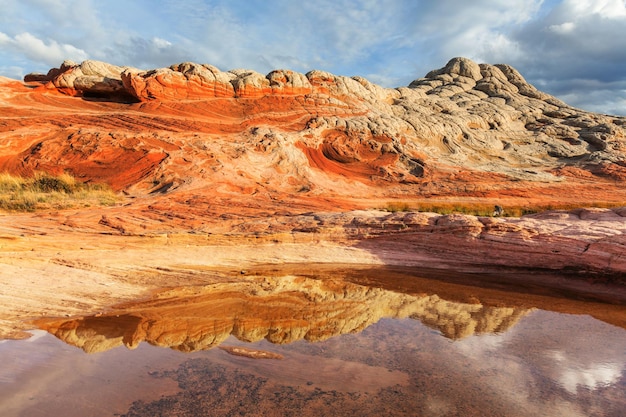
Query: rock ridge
(189, 81)
(485, 118)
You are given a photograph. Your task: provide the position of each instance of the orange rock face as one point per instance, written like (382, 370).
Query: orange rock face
(463, 131)
(193, 148)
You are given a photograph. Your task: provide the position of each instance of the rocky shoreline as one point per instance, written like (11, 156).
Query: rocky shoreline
(62, 272)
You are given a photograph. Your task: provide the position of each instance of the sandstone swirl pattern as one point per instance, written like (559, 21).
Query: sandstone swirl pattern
(454, 127)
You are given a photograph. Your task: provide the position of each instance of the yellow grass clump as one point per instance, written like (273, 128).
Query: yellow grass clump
(45, 191)
(486, 210)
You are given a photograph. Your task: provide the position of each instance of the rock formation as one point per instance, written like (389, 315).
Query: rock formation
(589, 243)
(288, 157)
(457, 127)
(90, 78)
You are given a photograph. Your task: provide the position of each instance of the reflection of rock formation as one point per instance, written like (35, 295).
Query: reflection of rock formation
(281, 310)
(457, 320)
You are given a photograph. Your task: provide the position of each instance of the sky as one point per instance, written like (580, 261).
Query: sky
(573, 49)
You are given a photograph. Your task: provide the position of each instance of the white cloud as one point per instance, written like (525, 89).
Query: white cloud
(51, 53)
(479, 30)
(328, 35)
(563, 28)
(14, 72)
(161, 43)
(384, 80)
(606, 98)
(145, 53)
(608, 9)
(576, 51)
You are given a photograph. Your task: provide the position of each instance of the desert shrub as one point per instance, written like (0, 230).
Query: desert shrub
(394, 207)
(10, 183)
(22, 201)
(47, 183)
(486, 210)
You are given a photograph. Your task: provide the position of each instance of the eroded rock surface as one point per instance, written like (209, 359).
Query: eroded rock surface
(466, 129)
(590, 243)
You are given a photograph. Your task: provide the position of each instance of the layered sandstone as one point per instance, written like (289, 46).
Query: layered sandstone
(465, 129)
(590, 243)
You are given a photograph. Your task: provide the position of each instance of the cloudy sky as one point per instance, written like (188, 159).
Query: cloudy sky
(574, 49)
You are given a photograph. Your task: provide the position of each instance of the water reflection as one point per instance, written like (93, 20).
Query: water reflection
(280, 310)
(383, 345)
(562, 365)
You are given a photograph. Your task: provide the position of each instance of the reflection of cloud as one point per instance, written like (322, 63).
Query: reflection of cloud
(480, 345)
(544, 354)
(592, 376)
(35, 335)
(572, 361)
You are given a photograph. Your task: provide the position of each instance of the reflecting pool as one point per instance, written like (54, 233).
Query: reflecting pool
(339, 342)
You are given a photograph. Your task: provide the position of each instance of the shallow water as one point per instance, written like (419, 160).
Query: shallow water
(336, 344)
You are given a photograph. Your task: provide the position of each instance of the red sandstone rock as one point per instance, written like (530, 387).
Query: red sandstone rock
(224, 152)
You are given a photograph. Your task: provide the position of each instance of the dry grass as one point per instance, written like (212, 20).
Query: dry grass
(44, 191)
(485, 210)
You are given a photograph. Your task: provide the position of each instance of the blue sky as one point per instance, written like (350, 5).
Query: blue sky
(574, 49)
